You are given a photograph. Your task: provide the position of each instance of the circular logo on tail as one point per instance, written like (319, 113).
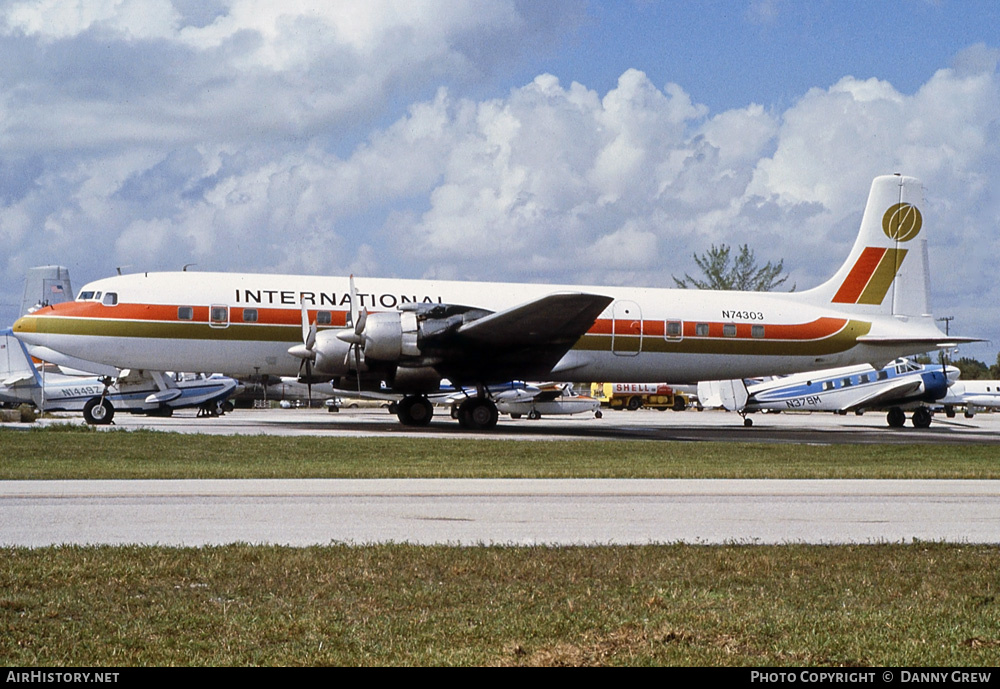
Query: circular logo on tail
(902, 222)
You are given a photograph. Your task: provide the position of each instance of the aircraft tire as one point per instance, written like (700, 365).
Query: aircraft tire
(478, 414)
(748, 422)
(533, 415)
(98, 412)
(415, 411)
(921, 417)
(895, 417)
(598, 414)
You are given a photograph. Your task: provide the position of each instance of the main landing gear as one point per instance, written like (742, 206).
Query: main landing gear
(474, 413)
(921, 417)
(414, 410)
(478, 414)
(98, 411)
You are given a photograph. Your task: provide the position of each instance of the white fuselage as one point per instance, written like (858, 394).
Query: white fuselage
(244, 324)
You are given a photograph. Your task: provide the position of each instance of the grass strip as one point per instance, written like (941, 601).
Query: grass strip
(918, 604)
(79, 453)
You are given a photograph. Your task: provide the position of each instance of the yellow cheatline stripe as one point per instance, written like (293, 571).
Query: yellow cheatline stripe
(116, 327)
(878, 285)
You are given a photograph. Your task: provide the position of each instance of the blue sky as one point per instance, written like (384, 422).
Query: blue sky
(553, 141)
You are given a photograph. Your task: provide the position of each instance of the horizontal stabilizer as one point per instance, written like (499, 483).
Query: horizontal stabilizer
(17, 378)
(929, 342)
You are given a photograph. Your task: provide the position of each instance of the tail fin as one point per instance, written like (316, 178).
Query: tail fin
(16, 369)
(44, 286)
(886, 272)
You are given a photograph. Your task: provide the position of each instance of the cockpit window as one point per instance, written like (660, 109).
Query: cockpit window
(85, 296)
(111, 299)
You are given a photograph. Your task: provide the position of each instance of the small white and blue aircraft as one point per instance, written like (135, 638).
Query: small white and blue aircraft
(902, 385)
(137, 392)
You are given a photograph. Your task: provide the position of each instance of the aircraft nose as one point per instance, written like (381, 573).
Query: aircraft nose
(952, 373)
(26, 325)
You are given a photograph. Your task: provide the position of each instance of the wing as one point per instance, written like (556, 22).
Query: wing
(523, 342)
(889, 392)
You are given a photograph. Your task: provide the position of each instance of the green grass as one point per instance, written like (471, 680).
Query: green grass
(910, 605)
(78, 453)
(793, 605)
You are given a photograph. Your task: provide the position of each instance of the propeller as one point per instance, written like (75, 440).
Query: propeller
(305, 350)
(354, 336)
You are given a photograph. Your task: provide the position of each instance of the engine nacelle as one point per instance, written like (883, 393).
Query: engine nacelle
(421, 379)
(391, 336)
(331, 354)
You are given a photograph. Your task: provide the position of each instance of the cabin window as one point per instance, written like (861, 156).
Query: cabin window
(757, 331)
(882, 375)
(729, 330)
(866, 378)
(185, 313)
(701, 329)
(249, 315)
(323, 318)
(828, 385)
(846, 382)
(111, 299)
(219, 314)
(673, 330)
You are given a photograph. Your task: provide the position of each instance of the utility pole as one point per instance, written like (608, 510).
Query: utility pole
(947, 323)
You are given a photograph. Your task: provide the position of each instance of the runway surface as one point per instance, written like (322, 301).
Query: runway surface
(556, 512)
(518, 512)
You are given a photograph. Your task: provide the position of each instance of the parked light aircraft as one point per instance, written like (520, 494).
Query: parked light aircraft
(21, 381)
(515, 398)
(532, 401)
(409, 334)
(901, 385)
(973, 395)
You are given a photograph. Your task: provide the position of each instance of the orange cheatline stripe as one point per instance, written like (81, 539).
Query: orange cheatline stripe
(859, 276)
(814, 330)
(168, 312)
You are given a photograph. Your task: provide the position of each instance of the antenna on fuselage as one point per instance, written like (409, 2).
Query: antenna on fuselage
(186, 266)
(119, 268)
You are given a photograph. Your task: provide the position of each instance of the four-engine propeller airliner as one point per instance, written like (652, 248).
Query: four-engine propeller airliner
(409, 334)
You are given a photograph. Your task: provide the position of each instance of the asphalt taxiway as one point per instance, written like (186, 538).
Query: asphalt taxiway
(815, 427)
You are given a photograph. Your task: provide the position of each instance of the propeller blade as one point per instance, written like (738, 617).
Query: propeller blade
(305, 324)
(362, 319)
(354, 301)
